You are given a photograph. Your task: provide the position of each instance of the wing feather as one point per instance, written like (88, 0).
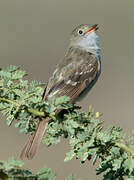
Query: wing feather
(73, 76)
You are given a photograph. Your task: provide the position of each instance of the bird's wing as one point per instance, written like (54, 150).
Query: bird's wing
(73, 75)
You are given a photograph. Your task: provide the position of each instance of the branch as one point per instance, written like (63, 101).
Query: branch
(30, 110)
(129, 150)
(22, 102)
(10, 101)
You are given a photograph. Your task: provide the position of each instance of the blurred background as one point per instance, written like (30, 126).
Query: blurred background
(34, 35)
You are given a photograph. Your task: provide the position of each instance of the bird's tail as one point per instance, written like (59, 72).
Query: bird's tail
(34, 141)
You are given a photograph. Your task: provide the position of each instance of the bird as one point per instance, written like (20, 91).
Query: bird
(74, 76)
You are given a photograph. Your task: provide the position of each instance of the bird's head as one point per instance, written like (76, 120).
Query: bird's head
(85, 37)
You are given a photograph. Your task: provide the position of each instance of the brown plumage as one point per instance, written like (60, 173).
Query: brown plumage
(75, 74)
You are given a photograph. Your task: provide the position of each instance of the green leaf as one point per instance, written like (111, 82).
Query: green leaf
(129, 165)
(10, 120)
(62, 100)
(69, 156)
(45, 173)
(11, 163)
(12, 68)
(72, 177)
(117, 164)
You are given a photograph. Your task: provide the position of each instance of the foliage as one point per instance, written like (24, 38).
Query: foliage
(12, 170)
(72, 177)
(23, 102)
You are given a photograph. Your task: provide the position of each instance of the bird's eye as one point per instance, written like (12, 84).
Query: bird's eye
(80, 32)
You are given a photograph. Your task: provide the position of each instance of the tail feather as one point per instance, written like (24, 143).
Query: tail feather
(27, 147)
(34, 141)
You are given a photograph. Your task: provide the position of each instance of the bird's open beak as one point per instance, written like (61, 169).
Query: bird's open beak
(93, 28)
